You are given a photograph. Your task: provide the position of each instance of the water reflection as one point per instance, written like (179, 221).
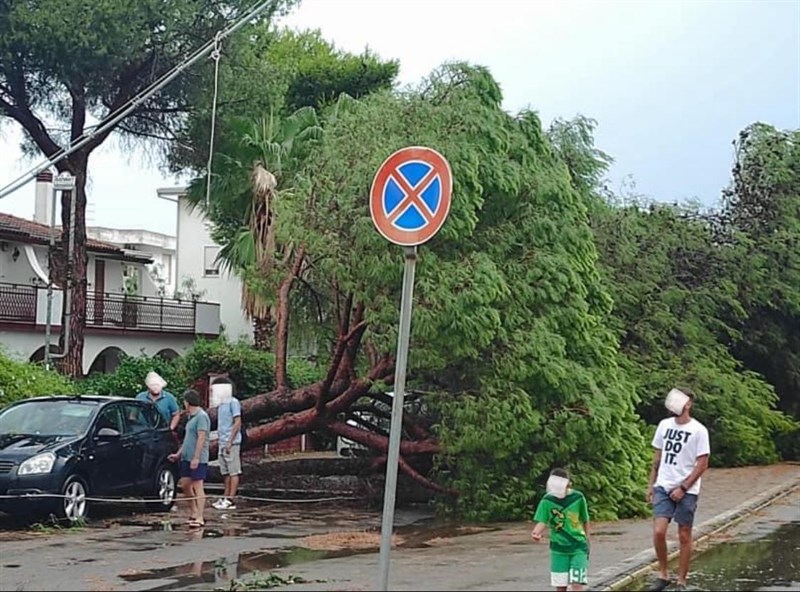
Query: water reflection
(768, 563)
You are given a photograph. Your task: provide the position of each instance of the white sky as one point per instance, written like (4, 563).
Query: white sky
(670, 83)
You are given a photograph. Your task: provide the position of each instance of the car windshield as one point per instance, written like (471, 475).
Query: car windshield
(48, 418)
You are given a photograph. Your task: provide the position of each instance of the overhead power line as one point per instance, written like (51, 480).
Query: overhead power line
(114, 118)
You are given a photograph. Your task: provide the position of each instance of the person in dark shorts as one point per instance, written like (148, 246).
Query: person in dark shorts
(193, 456)
(681, 450)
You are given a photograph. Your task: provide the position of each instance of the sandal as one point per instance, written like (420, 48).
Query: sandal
(194, 523)
(660, 584)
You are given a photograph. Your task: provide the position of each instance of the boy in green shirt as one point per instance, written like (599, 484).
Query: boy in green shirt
(565, 512)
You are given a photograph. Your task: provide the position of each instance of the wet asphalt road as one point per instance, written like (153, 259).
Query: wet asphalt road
(123, 549)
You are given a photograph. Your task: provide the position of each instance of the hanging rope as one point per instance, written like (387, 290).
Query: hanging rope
(215, 55)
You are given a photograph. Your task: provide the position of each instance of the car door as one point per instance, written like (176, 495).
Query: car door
(108, 458)
(141, 433)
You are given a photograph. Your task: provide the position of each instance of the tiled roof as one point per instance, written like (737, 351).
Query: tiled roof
(27, 231)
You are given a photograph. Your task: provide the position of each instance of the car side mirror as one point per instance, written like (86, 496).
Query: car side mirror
(107, 434)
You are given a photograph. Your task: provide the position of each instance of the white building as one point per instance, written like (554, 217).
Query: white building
(158, 247)
(198, 269)
(125, 313)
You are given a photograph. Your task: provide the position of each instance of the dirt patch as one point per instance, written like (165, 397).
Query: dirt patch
(340, 541)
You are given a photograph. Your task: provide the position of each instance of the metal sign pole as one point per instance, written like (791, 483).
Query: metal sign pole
(390, 490)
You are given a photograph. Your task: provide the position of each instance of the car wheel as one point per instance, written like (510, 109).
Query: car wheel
(164, 490)
(73, 506)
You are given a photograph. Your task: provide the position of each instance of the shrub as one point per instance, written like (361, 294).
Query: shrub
(128, 379)
(20, 380)
(252, 371)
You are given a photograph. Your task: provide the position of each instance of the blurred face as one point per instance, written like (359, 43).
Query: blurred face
(154, 389)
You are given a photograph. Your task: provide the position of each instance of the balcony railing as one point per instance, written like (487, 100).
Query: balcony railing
(142, 313)
(17, 304)
(27, 305)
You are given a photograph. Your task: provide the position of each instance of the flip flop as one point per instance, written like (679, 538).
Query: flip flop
(660, 584)
(196, 524)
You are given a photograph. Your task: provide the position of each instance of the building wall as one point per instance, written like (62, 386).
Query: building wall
(23, 345)
(19, 271)
(160, 247)
(193, 236)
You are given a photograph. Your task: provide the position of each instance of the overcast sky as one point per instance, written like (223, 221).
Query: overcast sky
(670, 84)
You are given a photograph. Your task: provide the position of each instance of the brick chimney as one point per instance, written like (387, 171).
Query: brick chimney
(44, 198)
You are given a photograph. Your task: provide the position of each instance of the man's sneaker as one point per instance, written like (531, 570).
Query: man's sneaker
(221, 504)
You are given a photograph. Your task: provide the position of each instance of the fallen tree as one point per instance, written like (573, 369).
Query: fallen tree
(510, 339)
(321, 406)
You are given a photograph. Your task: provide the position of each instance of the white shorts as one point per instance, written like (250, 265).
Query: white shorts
(230, 464)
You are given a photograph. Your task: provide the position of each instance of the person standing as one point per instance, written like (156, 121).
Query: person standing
(229, 427)
(165, 402)
(193, 455)
(681, 452)
(565, 512)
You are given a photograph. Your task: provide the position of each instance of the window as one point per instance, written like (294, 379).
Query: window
(111, 417)
(210, 263)
(139, 418)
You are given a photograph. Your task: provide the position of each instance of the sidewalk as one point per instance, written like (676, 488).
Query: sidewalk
(506, 559)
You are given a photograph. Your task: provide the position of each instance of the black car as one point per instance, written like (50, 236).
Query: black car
(80, 447)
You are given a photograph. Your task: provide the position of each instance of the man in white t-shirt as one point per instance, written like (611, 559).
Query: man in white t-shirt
(681, 450)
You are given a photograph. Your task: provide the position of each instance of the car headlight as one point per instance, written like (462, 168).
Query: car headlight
(41, 463)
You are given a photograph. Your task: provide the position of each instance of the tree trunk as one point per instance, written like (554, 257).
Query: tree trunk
(263, 331)
(72, 363)
(282, 345)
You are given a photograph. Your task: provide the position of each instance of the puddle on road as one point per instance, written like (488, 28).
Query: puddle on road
(221, 572)
(771, 562)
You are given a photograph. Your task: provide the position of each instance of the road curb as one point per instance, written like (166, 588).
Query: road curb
(641, 564)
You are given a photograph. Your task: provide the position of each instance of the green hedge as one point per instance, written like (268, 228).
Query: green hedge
(251, 370)
(20, 380)
(128, 379)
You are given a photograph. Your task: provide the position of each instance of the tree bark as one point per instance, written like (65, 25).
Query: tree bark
(72, 362)
(263, 332)
(282, 345)
(381, 443)
(415, 475)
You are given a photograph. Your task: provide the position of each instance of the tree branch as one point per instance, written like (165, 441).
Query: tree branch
(381, 443)
(21, 113)
(424, 481)
(336, 361)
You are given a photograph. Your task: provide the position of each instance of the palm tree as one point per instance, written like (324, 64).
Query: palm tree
(260, 165)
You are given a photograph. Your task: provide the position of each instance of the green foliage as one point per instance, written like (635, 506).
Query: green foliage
(510, 314)
(763, 205)
(675, 276)
(127, 380)
(267, 71)
(20, 380)
(250, 370)
(318, 73)
(102, 53)
(264, 581)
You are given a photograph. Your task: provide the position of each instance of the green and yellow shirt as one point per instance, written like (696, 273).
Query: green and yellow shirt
(566, 518)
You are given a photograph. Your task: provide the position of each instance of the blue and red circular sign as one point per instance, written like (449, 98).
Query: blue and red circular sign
(410, 196)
